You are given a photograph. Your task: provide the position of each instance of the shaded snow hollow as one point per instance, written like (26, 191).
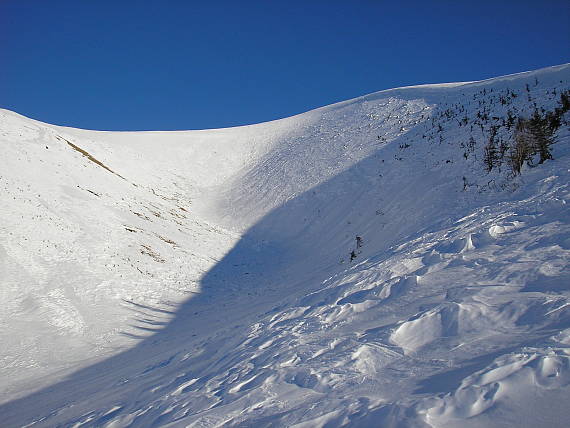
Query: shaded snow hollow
(204, 278)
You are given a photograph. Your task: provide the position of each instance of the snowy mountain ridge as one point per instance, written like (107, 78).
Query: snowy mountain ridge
(209, 278)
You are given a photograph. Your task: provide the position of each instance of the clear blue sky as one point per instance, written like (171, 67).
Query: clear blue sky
(142, 64)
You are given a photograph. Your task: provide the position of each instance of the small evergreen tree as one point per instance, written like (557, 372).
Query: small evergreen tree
(542, 136)
(522, 149)
(491, 156)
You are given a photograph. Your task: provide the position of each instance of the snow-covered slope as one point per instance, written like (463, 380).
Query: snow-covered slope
(208, 278)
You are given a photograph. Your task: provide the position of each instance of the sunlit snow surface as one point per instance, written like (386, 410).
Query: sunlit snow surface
(203, 278)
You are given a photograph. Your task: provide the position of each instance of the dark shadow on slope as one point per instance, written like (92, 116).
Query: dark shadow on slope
(147, 307)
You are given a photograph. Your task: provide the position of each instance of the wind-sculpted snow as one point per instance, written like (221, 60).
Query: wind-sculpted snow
(215, 278)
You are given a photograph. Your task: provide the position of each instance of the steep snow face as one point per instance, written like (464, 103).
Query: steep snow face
(363, 264)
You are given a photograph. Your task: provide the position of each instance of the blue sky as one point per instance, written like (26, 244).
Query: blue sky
(136, 65)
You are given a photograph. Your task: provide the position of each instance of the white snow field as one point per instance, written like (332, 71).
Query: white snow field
(204, 278)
